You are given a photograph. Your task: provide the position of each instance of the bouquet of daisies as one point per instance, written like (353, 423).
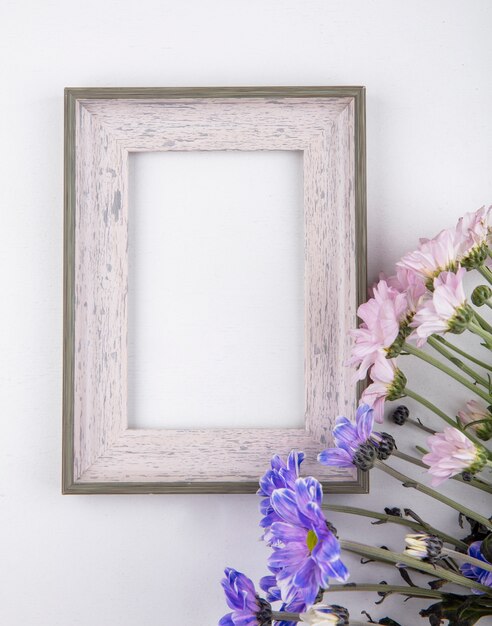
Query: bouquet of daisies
(413, 313)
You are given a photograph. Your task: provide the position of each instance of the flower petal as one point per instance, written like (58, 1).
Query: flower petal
(285, 505)
(365, 421)
(335, 457)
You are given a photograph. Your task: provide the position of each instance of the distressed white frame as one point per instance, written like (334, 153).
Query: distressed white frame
(101, 454)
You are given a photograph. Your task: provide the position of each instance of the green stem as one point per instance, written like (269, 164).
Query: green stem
(395, 557)
(464, 354)
(478, 484)
(478, 330)
(432, 407)
(406, 591)
(483, 322)
(466, 558)
(418, 424)
(393, 519)
(444, 368)
(295, 617)
(458, 363)
(284, 615)
(476, 423)
(410, 482)
(486, 273)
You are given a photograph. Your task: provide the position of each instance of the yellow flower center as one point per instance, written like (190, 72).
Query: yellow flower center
(311, 540)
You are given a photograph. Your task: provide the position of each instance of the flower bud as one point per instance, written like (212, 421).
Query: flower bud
(424, 547)
(480, 460)
(364, 456)
(397, 387)
(481, 294)
(458, 323)
(396, 347)
(477, 412)
(264, 614)
(326, 614)
(385, 444)
(395, 511)
(476, 257)
(400, 415)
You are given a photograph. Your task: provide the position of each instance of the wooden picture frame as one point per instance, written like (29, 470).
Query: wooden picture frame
(102, 126)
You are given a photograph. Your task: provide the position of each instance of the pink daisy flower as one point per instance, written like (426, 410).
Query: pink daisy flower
(473, 227)
(411, 284)
(444, 310)
(433, 256)
(388, 384)
(487, 217)
(381, 317)
(472, 233)
(452, 453)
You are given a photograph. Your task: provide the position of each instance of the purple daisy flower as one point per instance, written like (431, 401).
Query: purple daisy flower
(281, 475)
(269, 585)
(248, 609)
(357, 444)
(272, 591)
(348, 437)
(474, 572)
(306, 554)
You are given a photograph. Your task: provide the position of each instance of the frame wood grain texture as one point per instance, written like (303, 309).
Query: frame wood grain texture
(102, 126)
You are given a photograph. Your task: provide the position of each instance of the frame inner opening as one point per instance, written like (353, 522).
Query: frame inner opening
(216, 290)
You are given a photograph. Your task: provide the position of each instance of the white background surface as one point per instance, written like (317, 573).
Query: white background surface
(148, 561)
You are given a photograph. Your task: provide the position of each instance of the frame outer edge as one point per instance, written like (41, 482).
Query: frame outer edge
(68, 281)
(69, 485)
(212, 92)
(148, 488)
(361, 231)
(362, 483)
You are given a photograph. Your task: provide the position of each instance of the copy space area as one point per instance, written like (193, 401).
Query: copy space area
(216, 290)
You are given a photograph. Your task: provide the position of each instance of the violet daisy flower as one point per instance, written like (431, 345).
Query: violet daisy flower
(281, 475)
(248, 609)
(306, 553)
(269, 585)
(356, 444)
(474, 572)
